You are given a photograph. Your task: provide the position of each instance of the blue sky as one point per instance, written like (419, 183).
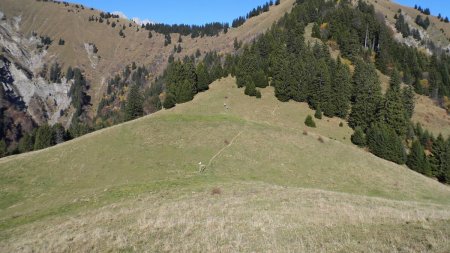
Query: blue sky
(436, 6)
(177, 11)
(204, 11)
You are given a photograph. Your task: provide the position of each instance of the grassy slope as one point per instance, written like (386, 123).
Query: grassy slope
(137, 184)
(432, 117)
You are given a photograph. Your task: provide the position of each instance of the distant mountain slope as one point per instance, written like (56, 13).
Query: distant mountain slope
(438, 31)
(114, 52)
(100, 52)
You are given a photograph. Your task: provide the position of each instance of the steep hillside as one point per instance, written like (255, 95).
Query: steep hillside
(79, 39)
(438, 32)
(137, 186)
(115, 52)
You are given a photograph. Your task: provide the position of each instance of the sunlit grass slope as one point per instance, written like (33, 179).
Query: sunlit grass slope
(280, 186)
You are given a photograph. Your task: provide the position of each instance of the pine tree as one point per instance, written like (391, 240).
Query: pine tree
(366, 96)
(392, 112)
(134, 108)
(44, 137)
(417, 160)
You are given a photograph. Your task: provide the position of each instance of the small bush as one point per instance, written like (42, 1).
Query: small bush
(305, 132)
(216, 191)
(320, 139)
(169, 102)
(310, 122)
(258, 94)
(359, 138)
(341, 124)
(318, 114)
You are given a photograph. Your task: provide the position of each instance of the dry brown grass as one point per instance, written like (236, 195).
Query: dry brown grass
(247, 218)
(432, 117)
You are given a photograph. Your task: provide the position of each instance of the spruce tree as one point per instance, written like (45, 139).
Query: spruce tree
(320, 89)
(250, 89)
(258, 94)
(26, 143)
(3, 148)
(392, 111)
(281, 74)
(59, 133)
(69, 73)
(341, 89)
(134, 108)
(184, 92)
(358, 137)
(260, 79)
(417, 160)
(55, 73)
(316, 31)
(203, 78)
(444, 177)
(366, 97)
(438, 149)
(385, 143)
(409, 102)
(318, 114)
(44, 137)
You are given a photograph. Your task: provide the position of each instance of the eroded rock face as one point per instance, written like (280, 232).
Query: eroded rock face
(26, 98)
(20, 63)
